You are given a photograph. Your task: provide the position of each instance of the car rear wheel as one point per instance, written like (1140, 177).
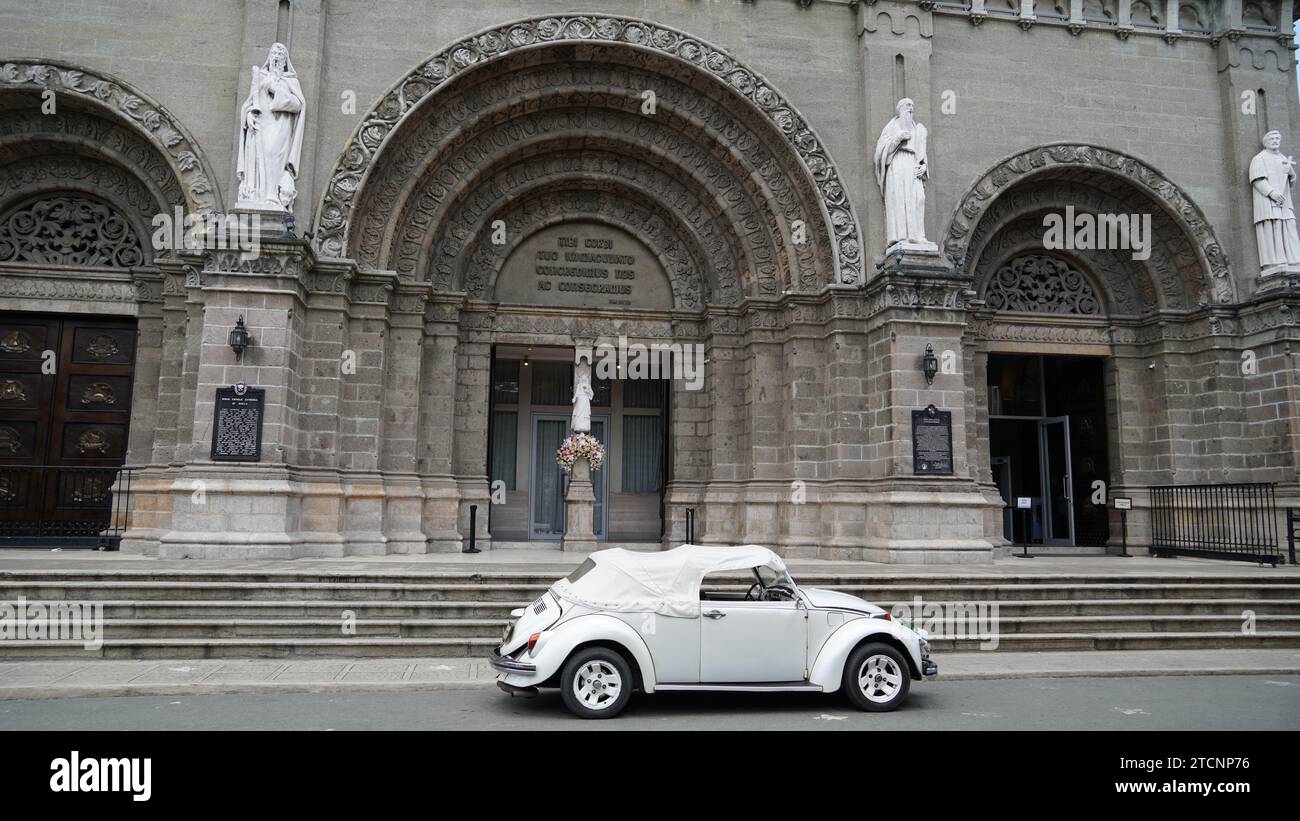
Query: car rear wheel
(596, 683)
(877, 677)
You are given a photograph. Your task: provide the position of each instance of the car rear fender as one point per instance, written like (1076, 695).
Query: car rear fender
(555, 646)
(828, 669)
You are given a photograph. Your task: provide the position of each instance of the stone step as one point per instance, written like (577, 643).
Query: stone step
(147, 609)
(365, 646)
(135, 609)
(1214, 640)
(101, 590)
(312, 628)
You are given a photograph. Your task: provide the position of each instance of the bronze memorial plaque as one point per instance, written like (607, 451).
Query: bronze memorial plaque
(932, 441)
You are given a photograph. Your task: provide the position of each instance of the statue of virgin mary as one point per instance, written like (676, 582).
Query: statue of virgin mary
(271, 127)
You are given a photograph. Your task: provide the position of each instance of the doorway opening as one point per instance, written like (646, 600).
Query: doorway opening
(531, 406)
(1048, 443)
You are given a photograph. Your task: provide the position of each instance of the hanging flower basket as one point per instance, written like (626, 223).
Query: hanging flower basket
(580, 445)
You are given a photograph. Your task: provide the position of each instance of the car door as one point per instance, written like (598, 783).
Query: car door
(752, 641)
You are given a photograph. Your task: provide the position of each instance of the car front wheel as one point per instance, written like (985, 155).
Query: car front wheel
(877, 677)
(596, 683)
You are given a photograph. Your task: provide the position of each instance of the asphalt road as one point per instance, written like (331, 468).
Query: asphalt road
(1158, 703)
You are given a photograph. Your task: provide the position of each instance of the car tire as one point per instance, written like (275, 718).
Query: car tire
(877, 677)
(596, 683)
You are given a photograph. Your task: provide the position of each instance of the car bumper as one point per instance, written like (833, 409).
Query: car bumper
(929, 669)
(505, 664)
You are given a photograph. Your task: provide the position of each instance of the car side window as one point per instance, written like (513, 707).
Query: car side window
(725, 586)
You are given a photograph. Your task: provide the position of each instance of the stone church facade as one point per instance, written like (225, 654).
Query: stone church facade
(414, 366)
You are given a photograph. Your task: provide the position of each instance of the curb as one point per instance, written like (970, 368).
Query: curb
(27, 692)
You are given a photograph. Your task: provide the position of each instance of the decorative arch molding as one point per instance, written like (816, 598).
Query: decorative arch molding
(1124, 290)
(28, 137)
(469, 223)
(681, 259)
(47, 175)
(1211, 263)
(351, 176)
(121, 102)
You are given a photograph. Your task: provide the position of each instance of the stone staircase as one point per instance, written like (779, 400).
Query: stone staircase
(254, 614)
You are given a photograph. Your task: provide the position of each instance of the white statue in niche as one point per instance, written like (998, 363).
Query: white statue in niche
(901, 171)
(271, 127)
(582, 396)
(1271, 176)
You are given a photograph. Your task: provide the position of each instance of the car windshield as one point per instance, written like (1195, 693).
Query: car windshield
(773, 578)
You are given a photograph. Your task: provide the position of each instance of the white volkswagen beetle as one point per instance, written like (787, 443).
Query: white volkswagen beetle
(628, 620)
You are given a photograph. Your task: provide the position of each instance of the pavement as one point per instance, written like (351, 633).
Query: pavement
(1197, 703)
(70, 678)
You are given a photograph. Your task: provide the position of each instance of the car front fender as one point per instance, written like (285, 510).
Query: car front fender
(555, 646)
(828, 669)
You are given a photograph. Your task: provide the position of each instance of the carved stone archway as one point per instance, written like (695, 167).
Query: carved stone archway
(118, 103)
(1191, 260)
(723, 135)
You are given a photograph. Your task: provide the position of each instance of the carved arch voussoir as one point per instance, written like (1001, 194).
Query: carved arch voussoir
(335, 212)
(1216, 275)
(123, 103)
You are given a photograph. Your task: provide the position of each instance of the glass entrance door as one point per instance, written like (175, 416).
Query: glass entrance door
(1058, 484)
(549, 482)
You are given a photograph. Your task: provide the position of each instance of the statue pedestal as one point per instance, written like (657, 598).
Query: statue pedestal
(272, 222)
(579, 510)
(1277, 277)
(915, 259)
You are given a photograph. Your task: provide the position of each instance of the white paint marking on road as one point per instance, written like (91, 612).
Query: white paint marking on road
(1280, 683)
(181, 669)
(825, 717)
(439, 667)
(1133, 711)
(982, 715)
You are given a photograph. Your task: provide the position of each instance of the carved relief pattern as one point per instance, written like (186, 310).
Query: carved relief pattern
(713, 175)
(1041, 284)
(683, 261)
(148, 117)
(98, 393)
(69, 230)
(134, 159)
(644, 181)
(1209, 253)
(80, 289)
(373, 132)
(1014, 224)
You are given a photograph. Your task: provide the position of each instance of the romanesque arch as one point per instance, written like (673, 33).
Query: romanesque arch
(1001, 216)
(102, 117)
(751, 203)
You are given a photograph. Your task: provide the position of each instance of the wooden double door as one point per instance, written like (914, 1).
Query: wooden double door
(65, 409)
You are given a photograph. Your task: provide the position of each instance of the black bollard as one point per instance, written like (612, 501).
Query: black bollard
(473, 529)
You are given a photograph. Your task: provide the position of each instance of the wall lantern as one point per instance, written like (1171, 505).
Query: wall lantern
(239, 338)
(930, 364)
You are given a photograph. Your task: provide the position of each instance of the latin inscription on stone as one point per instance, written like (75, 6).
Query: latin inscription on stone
(932, 441)
(584, 264)
(237, 424)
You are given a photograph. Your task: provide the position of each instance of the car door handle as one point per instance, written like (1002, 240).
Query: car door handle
(713, 614)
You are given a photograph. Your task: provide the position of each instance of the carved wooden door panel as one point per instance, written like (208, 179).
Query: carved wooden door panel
(65, 407)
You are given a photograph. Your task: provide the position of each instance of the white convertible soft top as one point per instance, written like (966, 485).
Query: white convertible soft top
(666, 582)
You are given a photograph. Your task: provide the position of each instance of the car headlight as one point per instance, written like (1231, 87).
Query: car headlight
(925, 648)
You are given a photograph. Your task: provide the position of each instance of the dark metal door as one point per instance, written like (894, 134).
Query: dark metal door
(65, 407)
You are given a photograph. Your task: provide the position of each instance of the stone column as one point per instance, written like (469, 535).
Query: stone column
(434, 437)
(914, 300)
